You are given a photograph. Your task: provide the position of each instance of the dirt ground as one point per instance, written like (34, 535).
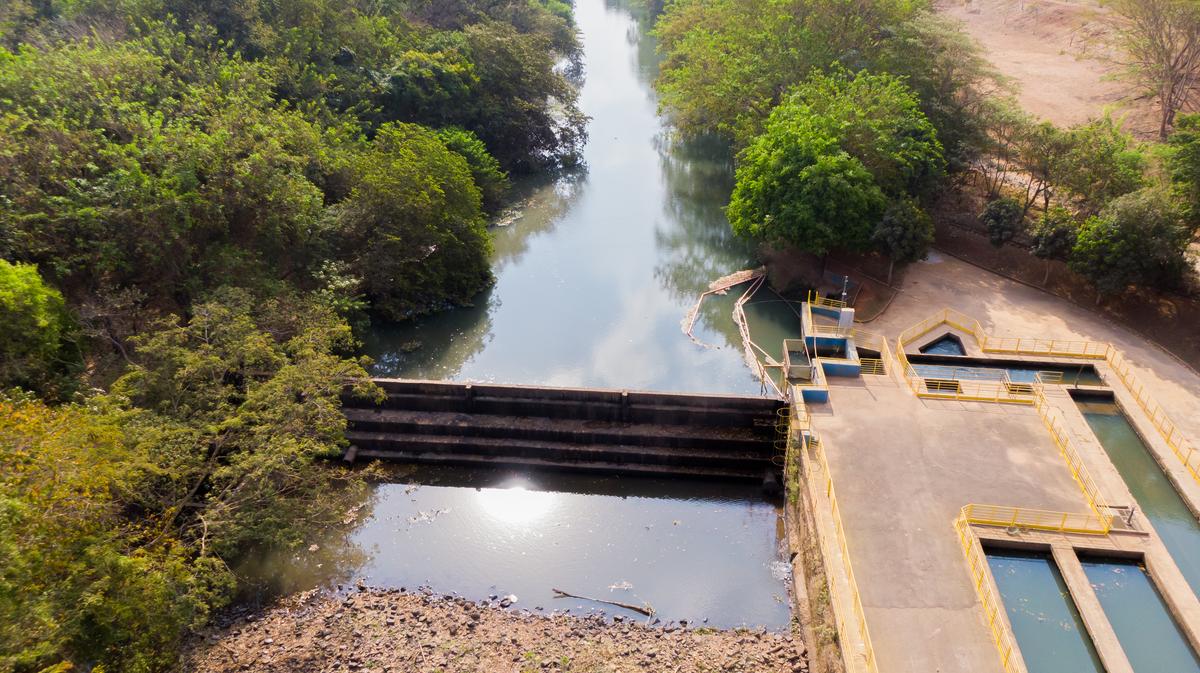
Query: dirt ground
(389, 631)
(1059, 55)
(1170, 320)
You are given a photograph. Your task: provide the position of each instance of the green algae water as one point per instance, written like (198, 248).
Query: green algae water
(1047, 625)
(1155, 494)
(595, 276)
(1151, 639)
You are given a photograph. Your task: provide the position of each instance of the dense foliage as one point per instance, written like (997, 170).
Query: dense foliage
(144, 155)
(195, 197)
(37, 338)
(833, 156)
(121, 516)
(1139, 239)
(731, 68)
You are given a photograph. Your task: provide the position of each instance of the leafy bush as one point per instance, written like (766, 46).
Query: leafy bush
(1139, 239)
(120, 517)
(37, 349)
(1004, 219)
(832, 157)
(905, 234)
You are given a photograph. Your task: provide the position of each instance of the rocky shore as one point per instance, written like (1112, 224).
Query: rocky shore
(378, 631)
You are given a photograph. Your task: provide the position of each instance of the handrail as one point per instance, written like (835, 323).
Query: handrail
(811, 326)
(818, 453)
(1180, 446)
(1184, 450)
(816, 298)
(1002, 636)
(1001, 390)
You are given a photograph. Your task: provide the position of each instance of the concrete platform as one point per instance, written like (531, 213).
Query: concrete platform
(903, 468)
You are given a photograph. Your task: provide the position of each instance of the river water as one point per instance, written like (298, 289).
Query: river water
(593, 282)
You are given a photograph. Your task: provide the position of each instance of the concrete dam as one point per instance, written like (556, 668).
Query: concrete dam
(581, 429)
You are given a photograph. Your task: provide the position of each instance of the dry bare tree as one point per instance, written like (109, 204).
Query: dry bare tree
(1161, 44)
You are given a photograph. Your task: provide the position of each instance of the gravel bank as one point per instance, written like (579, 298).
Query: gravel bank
(377, 631)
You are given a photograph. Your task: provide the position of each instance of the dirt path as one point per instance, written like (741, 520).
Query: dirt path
(379, 631)
(1056, 52)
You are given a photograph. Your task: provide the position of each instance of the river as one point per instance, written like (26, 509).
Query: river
(593, 281)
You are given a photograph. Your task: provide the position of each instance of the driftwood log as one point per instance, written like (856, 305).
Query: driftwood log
(641, 609)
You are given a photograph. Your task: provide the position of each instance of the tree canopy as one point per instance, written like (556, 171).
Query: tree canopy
(121, 516)
(1139, 239)
(833, 156)
(146, 155)
(37, 340)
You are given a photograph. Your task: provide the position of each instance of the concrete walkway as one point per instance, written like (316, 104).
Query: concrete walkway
(903, 468)
(1007, 308)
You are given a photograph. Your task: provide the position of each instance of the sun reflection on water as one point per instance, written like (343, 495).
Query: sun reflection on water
(516, 504)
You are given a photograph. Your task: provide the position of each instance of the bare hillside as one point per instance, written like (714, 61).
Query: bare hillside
(1055, 51)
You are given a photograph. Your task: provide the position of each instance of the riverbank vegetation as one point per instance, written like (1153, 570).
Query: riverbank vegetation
(197, 200)
(918, 100)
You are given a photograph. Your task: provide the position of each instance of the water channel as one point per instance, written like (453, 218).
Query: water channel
(1155, 494)
(593, 282)
(1151, 639)
(1045, 621)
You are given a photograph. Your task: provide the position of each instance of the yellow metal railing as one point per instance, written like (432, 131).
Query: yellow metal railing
(867, 654)
(812, 328)
(1004, 516)
(1054, 347)
(816, 299)
(998, 390)
(873, 366)
(1052, 419)
(1183, 449)
(1180, 446)
(1002, 636)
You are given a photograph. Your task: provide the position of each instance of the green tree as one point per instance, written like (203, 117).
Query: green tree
(37, 349)
(1183, 164)
(1139, 239)
(489, 177)
(831, 158)
(121, 516)
(1054, 236)
(413, 227)
(1004, 219)
(1043, 153)
(905, 234)
(956, 84)
(790, 194)
(875, 118)
(1102, 163)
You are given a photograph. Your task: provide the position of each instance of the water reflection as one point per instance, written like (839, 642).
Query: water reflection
(692, 549)
(594, 280)
(515, 504)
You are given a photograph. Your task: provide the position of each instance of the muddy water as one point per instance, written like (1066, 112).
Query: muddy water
(596, 276)
(704, 552)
